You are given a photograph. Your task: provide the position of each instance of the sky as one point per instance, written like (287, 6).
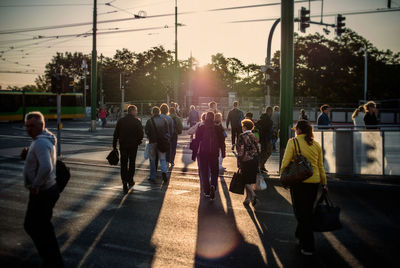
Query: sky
(203, 34)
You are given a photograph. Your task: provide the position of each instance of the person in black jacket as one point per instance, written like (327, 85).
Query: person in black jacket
(211, 140)
(235, 117)
(265, 128)
(129, 132)
(370, 119)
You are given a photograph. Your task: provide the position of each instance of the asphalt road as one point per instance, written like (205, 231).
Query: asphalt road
(171, 225)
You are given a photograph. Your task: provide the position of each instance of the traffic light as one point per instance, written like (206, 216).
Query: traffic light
(304, 19)
(340, 24)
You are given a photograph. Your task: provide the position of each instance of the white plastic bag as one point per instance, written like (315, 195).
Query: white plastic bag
(147, 151)
(260, 183)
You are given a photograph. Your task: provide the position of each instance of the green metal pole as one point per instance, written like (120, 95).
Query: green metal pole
(176, 77)
(287, 70)
(93, 74)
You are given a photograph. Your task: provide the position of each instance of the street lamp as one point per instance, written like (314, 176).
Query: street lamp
(365, 49)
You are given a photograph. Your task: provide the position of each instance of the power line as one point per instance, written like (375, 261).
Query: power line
(47, 5)
(133, 18)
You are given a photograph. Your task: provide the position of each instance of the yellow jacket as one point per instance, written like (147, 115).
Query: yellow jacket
(313, 153)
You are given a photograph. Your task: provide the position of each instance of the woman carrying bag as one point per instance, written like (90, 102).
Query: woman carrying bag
(304, 194)
(247, 156)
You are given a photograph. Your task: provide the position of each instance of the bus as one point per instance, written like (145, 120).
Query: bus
(12, 105)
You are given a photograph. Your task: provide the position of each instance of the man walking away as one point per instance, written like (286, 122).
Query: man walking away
(235, 117)
(323, 117)
(129, 132)
(178, 127)
(265, 127)
(275, 125)
(156, 130)
(171, 128)
(40, 178)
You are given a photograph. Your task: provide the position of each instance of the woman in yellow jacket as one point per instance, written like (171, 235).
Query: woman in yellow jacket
(304, 194)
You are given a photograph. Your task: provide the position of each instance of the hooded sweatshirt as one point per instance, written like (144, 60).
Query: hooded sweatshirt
(40, 164)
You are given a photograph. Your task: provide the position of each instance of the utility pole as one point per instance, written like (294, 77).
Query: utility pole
(101, 81)
(176, 80)
(365, 73)
(93, 74)
(84, 67)
(122, 87)
(287, 70)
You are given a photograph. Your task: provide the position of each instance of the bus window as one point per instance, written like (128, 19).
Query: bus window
(10, 103)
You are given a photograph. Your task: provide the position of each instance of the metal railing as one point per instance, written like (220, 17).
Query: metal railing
(350, 150)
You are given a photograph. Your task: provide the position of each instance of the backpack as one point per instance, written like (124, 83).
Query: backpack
(62, 175)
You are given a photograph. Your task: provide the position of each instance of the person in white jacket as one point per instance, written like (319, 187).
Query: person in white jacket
(358, 118)
(40, 179)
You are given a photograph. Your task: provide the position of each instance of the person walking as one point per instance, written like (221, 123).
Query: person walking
(235, 116)
(247, 157)
(275, 125)
(171, 129)
(323, 118)
(129, 133)
(178, 127)
(370, 118)
(265, 128)
(358, 117)
(304, 194)
(211, 140)
(103, 116)
(40, 179)
(218, 122)
(193, 116)
(157, 132)
(303, 115)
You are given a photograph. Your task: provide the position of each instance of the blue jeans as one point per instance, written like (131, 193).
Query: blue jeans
(154, 152)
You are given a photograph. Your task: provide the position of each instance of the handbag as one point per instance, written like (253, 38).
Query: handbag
(62, 175)
(326, 216)
(113, 157)
(260, 185)
(298, 170)
(147, 151)
(162, 144)
(237, 185)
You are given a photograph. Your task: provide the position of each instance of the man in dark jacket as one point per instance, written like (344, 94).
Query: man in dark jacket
(211, 141)
(235, 117)
(265, 127)
(129, 132)
(323, 117)
(157, 132)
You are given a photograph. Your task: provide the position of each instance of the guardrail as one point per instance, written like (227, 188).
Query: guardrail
(348, 150)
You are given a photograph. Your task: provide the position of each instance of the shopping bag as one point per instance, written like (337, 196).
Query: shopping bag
(260, 183)
(237, 185)
(147, 151)
(62, 175)
(326, 216)
(113, 157)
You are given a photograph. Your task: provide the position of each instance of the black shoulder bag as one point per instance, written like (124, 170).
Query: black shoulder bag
(62, 175)
(326, 216)
(298, 170)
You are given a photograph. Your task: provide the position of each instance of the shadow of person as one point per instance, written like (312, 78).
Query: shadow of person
(219, 242)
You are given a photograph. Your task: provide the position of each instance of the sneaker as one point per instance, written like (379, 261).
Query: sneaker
(263, 170)
(246, 202)
(131, 184)
(125, 187)
(233, 147)
(212, 192)
(306, 253)
(164, 177)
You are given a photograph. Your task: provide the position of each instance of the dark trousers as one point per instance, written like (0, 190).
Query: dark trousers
(39, 227)
(235, 131)
(208, 166)
(173, 145)
(303, 198)
(128, 162)
(265, 153)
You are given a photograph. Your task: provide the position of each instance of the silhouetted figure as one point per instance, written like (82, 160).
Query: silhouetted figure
(178, 127)
(265, 128)
(323, 117)
(171, 128)
(235, 116)
(129, 132)
(370, 118)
